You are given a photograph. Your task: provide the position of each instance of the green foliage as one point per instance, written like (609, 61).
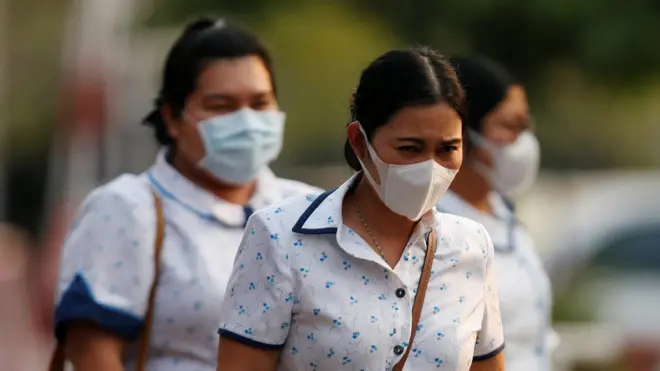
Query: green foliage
(176, 11)
(586, 63)
(320, 51)
(613, 42)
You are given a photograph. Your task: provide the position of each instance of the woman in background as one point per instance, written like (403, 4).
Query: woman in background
(503, 158)
(219, 125)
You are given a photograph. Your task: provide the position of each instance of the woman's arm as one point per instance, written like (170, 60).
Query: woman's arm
(236, 356)
(91, 348)
(495, 363)
(106, 272)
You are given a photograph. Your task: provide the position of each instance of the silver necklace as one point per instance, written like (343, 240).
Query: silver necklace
(366, 228)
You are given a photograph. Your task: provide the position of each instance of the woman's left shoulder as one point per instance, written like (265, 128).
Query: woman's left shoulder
(463, 232)
(458, 225)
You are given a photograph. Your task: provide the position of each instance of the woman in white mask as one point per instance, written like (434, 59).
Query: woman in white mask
(502, 159)
(167, 238)
(370, 276)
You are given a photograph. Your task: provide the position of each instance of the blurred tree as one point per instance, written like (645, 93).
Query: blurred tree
(173, 11)
(611, 41)
(584, 62)
(320, 51)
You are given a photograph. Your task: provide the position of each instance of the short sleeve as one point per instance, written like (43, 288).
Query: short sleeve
(259, 299)
(107, 267)
(490, 339)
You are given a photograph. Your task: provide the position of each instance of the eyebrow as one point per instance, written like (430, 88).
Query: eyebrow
(445, 141)
(455, 140)
(222, 96)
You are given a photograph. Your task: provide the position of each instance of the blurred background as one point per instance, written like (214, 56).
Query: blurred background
(77, 76)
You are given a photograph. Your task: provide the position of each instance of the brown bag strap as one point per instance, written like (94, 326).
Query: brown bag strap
(145, 339)
(419, 297)
(59, 358)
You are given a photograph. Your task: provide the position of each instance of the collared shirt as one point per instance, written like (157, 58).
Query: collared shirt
(524, 287)
(107, 263)
(305, 283)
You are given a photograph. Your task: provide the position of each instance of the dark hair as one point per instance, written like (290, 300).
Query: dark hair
(485, 83)
(202, 40)
(398, 79)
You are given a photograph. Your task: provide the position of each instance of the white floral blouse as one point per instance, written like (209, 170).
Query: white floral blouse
(310, 286)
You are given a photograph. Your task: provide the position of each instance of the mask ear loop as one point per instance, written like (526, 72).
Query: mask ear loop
(374, 159)
(185, 115)
(478, 142)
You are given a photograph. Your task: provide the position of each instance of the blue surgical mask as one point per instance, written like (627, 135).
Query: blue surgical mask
(238, 145)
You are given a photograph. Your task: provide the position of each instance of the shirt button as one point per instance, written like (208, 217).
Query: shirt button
(398, 350)
(400, 293)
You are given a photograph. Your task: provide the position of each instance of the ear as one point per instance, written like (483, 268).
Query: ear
(356, 139)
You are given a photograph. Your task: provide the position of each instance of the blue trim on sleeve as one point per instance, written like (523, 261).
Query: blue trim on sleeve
(298, 227)
(247, 341)
(78, 303)
(489, 355)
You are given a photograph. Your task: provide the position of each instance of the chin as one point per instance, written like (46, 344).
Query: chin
(223, 183)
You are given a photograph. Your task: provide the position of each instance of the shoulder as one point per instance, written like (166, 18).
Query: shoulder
(127, 196)
(290, 188)
(129, 188)
(116, 222)
(458, 224)
(459, 228)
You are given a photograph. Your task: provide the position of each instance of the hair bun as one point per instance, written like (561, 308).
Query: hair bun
(200, 24)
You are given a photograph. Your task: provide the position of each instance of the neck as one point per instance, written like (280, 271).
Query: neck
(471, 186)
(236, 194)
(378, 216)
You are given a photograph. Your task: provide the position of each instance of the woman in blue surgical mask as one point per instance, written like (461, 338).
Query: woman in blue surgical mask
(502, 160)
(145, 266)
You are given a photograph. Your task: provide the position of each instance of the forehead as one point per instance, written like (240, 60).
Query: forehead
(517, 92)
(234, 77)
(515, 101)
(433, 122)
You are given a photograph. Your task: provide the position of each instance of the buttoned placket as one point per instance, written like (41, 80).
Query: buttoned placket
(402, 283)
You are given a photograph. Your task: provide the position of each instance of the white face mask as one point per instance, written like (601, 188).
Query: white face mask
(409, 190)
(515, 166)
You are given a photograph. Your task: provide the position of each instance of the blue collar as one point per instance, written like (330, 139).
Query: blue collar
(323, 215)
(299, 227)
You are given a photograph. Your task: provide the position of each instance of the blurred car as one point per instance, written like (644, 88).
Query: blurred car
(605, 266)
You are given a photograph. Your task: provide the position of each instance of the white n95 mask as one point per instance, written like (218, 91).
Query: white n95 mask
(238, 145)
(409, 190)
(514, 166)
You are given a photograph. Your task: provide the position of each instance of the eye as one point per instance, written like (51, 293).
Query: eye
(409, 149)
(221, 107)
(262, 104)
(450, 147)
